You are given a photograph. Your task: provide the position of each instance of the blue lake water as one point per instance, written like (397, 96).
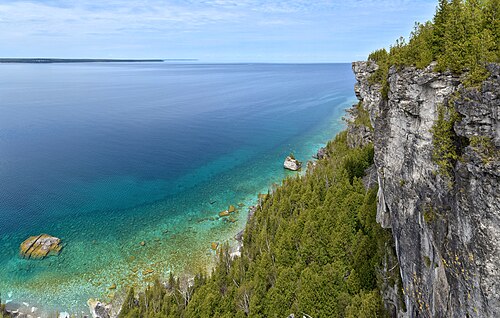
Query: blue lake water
(105, 156)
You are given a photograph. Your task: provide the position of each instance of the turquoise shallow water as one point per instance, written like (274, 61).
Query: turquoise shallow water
(106, 156)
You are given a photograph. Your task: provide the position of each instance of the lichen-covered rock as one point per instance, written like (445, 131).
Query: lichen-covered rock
(292, 164)
(41, 246)
(446, 229)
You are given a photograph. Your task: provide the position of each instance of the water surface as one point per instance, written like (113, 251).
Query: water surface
(105, 156)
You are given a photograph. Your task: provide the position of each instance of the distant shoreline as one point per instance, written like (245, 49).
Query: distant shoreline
(58, 60)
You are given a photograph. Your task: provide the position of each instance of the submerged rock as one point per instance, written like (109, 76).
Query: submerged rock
(231, 209)
(39, 247)
(147, 271)
(224, 213)
(292, 163)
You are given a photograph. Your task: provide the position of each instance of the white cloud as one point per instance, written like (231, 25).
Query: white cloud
(197, 27)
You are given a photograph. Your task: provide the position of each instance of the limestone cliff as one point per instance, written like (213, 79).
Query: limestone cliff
(446, 227)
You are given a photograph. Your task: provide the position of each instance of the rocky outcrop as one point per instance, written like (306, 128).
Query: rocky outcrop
(99, 309)
(446, 228)
(321, 153)
(359, 128)
(41, 246)
(292, 163)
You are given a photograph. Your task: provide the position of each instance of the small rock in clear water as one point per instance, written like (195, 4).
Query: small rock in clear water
(214, 245)
(142, 243)
(224, 213)
(112, 287)
(147, 271)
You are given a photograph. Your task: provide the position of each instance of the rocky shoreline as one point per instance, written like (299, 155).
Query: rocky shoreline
(44, 245)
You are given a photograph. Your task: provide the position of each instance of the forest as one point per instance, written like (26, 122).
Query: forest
(313, 248)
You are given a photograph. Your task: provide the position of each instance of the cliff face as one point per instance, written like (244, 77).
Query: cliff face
(446, 229)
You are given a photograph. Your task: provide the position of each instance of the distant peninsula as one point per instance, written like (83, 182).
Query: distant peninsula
(58, 60)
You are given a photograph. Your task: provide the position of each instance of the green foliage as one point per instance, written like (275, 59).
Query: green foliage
(312, 247)
(383, 60)
(444, 151)
(427, 261)
(3, 311)
(485, 147)
(429, 215)
(362, 116)
(366, 305)
(463, 36)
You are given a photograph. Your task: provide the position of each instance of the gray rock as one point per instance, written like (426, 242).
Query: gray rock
(358, 135)
(292, 164)
(99, 309)
(320, 154)
(371, 178)
(446, 229)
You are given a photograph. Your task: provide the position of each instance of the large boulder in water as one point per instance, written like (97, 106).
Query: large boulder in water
(292, 164)
(40, 246)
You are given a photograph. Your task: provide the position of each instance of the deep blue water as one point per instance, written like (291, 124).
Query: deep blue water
(116, 153)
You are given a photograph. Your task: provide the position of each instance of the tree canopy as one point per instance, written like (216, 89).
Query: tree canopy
(313, 247)
(462, 37)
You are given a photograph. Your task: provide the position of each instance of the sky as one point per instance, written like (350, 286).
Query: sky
(285, 31)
